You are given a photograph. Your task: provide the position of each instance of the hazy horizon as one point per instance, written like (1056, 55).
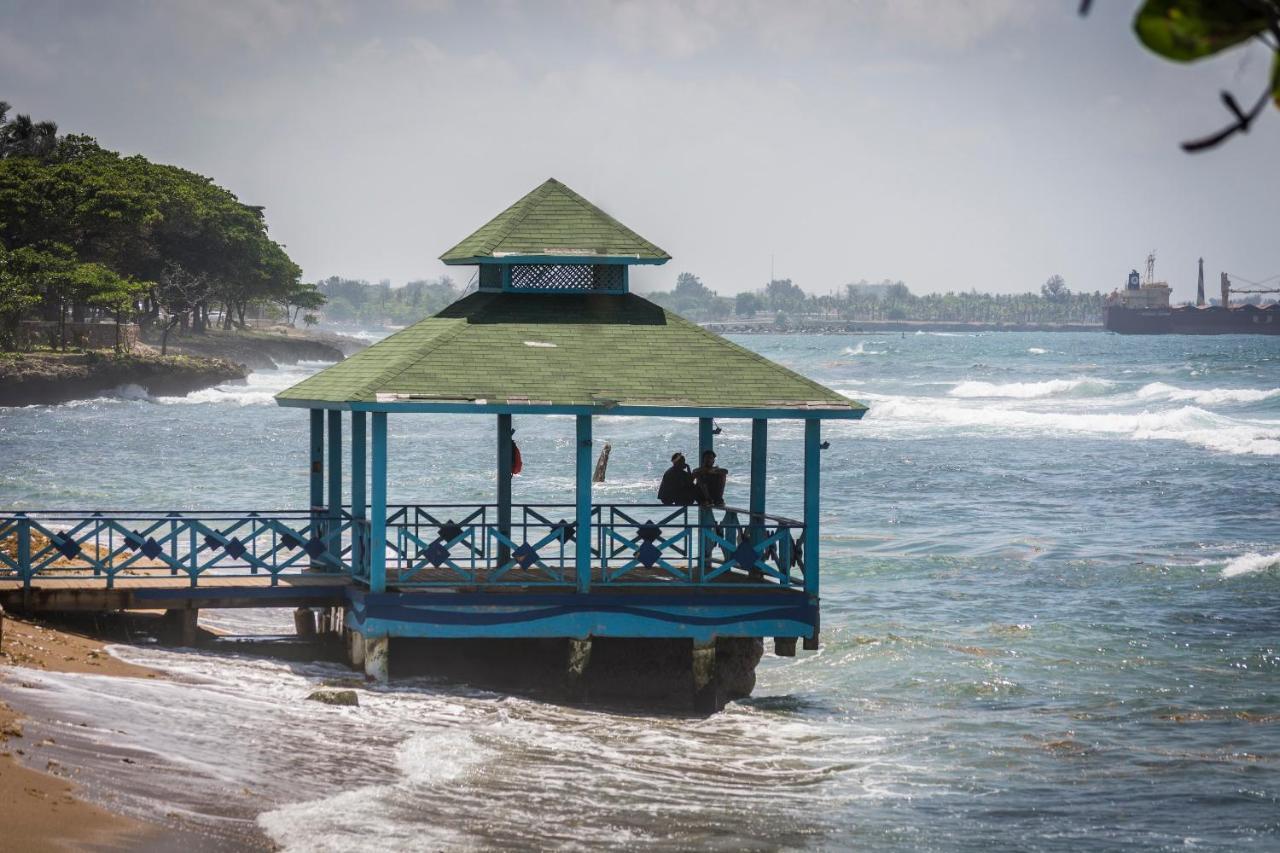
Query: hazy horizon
(985, 144)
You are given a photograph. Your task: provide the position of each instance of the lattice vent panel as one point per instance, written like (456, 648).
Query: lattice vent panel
(568, 278)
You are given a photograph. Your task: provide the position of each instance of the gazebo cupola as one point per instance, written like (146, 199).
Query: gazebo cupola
(554, 241)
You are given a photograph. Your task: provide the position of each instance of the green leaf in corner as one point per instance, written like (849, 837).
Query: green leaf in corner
(1275, 79)
(1184, 30)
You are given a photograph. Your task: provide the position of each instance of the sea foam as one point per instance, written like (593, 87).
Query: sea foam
(1082, 387)
(1248, 564)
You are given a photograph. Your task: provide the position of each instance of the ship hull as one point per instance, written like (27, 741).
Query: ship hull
(1189, 320)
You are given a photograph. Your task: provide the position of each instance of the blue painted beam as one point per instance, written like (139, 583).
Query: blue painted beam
(378, 512)
(504, 484)
(559, 260)
(464, 615)
(487, 408)
(334, 496)
(759, 470)
(706, 441)
(582, 555)
(317, 459)
(812, 488)
(359, 479)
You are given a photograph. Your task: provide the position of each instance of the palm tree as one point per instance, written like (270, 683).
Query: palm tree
(23, 137)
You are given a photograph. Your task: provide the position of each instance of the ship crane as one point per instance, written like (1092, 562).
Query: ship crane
(1258, 287)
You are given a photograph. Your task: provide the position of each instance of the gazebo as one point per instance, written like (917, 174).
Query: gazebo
(553, 330)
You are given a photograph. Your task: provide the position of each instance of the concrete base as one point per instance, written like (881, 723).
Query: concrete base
(784, 647)
(181, 626)
(658, 674)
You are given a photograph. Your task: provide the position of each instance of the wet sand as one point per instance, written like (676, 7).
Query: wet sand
(39, 806)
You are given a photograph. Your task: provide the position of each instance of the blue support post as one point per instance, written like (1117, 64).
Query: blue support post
(706, 519)
(334, 500)
(358, 479)
(582, 561)
(316, 471)
(24, 549)
(378, 512)
(812, 466)
(759, 468)
(504, 485)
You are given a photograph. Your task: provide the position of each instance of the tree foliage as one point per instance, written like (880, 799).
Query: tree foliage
(122, 236)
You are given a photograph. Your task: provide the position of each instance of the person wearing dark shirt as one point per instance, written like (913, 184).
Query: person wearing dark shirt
(677, 483)
(710, 480)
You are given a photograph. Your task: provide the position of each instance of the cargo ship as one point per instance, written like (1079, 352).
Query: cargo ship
(1143, 308)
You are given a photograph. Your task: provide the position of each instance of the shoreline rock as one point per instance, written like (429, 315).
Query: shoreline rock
(48, 378)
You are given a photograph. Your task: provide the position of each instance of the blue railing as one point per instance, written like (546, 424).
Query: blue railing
(427, 546)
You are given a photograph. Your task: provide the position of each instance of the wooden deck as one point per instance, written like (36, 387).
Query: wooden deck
(158, 589)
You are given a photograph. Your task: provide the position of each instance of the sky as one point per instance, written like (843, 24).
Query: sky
(949, 144)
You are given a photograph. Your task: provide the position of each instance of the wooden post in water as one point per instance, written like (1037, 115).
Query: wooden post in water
(602, 464)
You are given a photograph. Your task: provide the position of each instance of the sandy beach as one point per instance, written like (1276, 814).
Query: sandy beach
(40, 807)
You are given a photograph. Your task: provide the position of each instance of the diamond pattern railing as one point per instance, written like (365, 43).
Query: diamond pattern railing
(446, 546)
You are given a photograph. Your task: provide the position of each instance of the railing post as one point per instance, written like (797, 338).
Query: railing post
(505, 458)
(378, 512)
(812, 466)
(358, 478)
(706, 441)
(24, 549)
(333, 540)
(759, 466)
(582, 561)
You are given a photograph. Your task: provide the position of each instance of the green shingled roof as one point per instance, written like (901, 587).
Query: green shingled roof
(564, 350)
(553, 221)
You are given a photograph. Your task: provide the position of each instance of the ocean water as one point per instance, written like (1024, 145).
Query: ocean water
(1051, 621)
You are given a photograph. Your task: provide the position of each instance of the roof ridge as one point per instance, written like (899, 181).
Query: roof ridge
(535, 197)
(591, 207)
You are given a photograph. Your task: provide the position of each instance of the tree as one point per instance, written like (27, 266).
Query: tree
(1055, 289)
(18, 295)
(746, 304)
(302, 296)
(689, 286)
(23, 137)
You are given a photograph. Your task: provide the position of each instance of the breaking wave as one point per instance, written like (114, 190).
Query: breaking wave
(1207, 396)
(1188, 424)
(861, 349)
(1248, 564)
(1082, 387)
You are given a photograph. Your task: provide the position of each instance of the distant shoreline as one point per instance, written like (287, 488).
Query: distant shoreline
(812, 327)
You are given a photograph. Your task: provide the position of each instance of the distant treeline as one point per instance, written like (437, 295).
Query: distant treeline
(359, 302)
(89, 234)
(782, 301)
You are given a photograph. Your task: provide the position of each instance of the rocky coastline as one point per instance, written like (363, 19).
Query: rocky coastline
(192, 363)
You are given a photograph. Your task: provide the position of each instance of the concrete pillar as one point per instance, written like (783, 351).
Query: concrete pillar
(706, 688)
(304, 622)
(377, 658)
(354, 644)
(784, 647)
(182, 625)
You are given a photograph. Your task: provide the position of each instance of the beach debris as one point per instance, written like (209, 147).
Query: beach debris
(335, 697)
